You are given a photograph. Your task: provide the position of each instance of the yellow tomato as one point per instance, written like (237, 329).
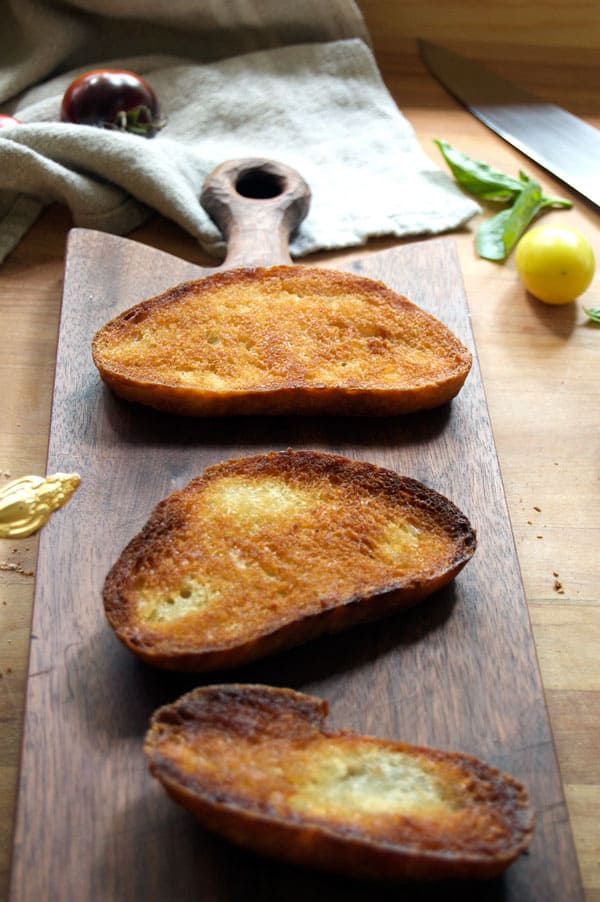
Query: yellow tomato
(555, 263)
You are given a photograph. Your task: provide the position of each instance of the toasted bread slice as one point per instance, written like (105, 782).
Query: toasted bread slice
(255, 764)
(281, 339)
(265, 552)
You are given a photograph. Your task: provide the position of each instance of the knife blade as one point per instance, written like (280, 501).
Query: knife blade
(557, 140)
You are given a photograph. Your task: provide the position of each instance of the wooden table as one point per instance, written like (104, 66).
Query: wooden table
(540, 368)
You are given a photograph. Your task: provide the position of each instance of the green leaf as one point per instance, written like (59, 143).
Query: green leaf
(593, 313)
(477, 177)
(556, 201)
(489, 239)
(497, 236)
(527, 205)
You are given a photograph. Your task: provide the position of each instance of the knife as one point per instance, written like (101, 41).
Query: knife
(557, 140)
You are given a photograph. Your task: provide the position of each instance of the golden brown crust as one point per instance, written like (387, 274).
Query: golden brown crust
(265, 552)
(256, 764)
(281, 339)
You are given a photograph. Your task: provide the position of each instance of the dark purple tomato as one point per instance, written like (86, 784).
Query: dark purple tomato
(112, 98)
(6, 121)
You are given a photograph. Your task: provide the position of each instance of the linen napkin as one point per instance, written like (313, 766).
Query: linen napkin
(297, 83)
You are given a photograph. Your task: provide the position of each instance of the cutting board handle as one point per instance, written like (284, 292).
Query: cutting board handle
(257, 204)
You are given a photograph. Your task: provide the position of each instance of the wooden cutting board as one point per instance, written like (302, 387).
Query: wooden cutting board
(459, 671)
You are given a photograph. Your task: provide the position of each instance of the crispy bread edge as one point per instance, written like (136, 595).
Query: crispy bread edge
(280, 399)
(314, 844)
(339, 616)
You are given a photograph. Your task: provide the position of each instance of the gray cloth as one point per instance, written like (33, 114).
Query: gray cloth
(317, 103)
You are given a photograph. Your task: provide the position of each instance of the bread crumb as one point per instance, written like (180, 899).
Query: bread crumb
(558, 587)
(15, 568)
(536, 508)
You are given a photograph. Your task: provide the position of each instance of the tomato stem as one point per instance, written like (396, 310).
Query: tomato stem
(138, 121)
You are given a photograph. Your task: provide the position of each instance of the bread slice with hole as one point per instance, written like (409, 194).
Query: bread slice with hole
(281, 340)
(257, 765)
(265, 552)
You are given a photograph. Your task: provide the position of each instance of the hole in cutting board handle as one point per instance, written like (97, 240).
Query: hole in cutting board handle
(256, 203)
(259, 185)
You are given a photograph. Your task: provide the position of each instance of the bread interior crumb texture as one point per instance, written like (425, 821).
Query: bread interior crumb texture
(348, 780)
(279, 331)
(245, 540)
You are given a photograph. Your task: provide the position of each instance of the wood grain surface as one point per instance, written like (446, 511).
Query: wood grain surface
(458, 672)
(539, 367)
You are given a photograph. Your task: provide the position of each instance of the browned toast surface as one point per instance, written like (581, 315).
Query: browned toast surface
(256, 764)
(265, 552)
(281, 339)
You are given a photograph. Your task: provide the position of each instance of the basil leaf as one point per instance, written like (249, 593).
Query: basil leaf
(497, 236)
(489, 239)
(477, 177)
(529, 202)
(556, 201)
(593, 313)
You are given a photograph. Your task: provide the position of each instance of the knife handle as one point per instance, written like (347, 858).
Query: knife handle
(256, 203)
